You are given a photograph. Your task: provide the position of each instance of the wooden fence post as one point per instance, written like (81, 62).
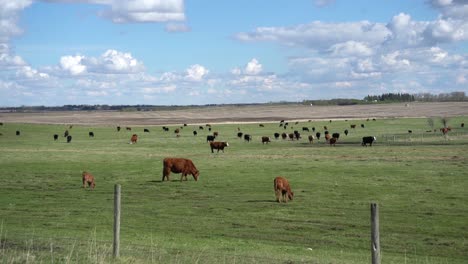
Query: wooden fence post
(116, 220)
(375, 234)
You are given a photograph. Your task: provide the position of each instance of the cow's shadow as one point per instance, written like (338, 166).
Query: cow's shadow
(261, 201)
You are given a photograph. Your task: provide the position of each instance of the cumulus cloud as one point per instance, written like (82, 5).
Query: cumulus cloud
(253, 67)
(73, 64)
(196, 72)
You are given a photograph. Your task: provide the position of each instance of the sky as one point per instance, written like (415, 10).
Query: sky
(196, 52)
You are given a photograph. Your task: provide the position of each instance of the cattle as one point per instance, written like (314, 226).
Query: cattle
(185, 125)
(336, 135)
(118, 128)
(317, 135)
(177, 131)
(91, 134)
(265, 140)
(462, 125)
(210, 138)
(128, 128)
(18, 132)
(313, 129)
(297, 135)
(325, 128)
(1, 123)
(247, 137)
(327, 137)
(277, 135)
(368, 140)
(352, 126)
(195, 133)
(215, 134)
(134, 139)
(208, 125)
(282, 189)
(145, 130)
(218, 146)
(209, 128)
(65, 134)
(69, 138)
(410, 131)
(445, 130)
(166, 129)
(88, 179)
(311, 139)
(362, 125)
(284, 136)
(55, 137)
(291, 136)
(200, 127)
(305, 129)
(332, 141)
(179, 165)
(346, 132)
(373, 119)
(261, 125)
(239, 134)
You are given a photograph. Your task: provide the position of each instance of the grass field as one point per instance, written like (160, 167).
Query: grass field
(229, 215)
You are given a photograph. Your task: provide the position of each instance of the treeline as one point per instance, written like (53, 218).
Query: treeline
(390, 97)
(442, 97)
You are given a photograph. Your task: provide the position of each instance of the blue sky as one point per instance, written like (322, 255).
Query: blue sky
(176, 52)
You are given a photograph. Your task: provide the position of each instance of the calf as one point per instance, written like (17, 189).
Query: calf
(282, 189)
(368, 140)
(88, 179)
(265, 140)
(332, 141)
(247, 137)
(218, 146)
(179, 165)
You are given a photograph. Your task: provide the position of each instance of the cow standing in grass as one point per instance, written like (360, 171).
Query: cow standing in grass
(218, 146)
(282, 189)
(179, 165)
(88, 179)
(134, 139)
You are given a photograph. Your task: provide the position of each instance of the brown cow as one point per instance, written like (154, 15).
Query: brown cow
(133, 139)
(218, 145)
(327, 137)
(282, 190)
(332, 141)
(88, 179)
(265, 140)
(311, 139)
(179, 165)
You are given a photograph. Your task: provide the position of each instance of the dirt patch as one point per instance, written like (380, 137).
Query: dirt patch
(240, 114)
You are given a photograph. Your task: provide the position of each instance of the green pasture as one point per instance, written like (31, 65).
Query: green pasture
(419, 180)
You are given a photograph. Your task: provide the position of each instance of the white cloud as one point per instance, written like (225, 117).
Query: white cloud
(253, 67)
(73, 64)
(196, 72)
(30, 73)
(144, 10)
(351, 48)
(177, 27)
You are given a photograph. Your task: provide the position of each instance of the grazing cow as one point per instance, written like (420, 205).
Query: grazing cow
(313, 129)
(215, 134)
(305, 129)
(118, 128)
(239, 134)
(65, 134)
(362, 125)
(311, 139)
(69, 138)
(277, 135)
(265, 140)
(209, 129)
(145, 130)
(325, 128)
(410, 131)
(373, 119)
(317, 135)
(282, 189)
(179, 165)
(297, 135)
(368, 140)
(282, 121)
(55, 137)
(177, 131)
(91, 134)
(134, 139)
(218, 145)
(1, 123)
(352, 126)
(247, 137)
(165, 128)
(208, 125)
(346, 132)
(185, 125)
(200, 127)
(87, 178)
(327, 137)
(462, 125)
(18, 132)
(291, 136)
(261, 125)
(195, 133)
(332, 141)
(445, 130)
(336, 135)
(128, 128)
(210, 138)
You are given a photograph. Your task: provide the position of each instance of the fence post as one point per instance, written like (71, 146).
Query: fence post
(116, 220)
(375, 234)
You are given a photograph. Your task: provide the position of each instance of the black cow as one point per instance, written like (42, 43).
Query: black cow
(69, 138)
(195, 133)
(91, 134)
(410, 131)
(18, 132)
(313, 129)
(317, 135)
(210, 138)
(277, 135)
(65, 134)
(305, 129)
(165, 128)
(346, 132)
(146, 130)
(118, 128)
(55, 137)
(362, 125)
(247, 137)
(336, 135)
(239, 134)
(200, 127)
(368, 140)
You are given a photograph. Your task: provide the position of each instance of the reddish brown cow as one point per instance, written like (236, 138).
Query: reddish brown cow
(88, 179)
(133, 139)
(445, 130)
(282, 190)
(311, 139)
(179, 165)
(327, 137)
(284, 136)
(332, 141)
(215, 134)
(218, 145)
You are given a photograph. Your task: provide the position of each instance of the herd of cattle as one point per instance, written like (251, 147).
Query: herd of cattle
(185, 167)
